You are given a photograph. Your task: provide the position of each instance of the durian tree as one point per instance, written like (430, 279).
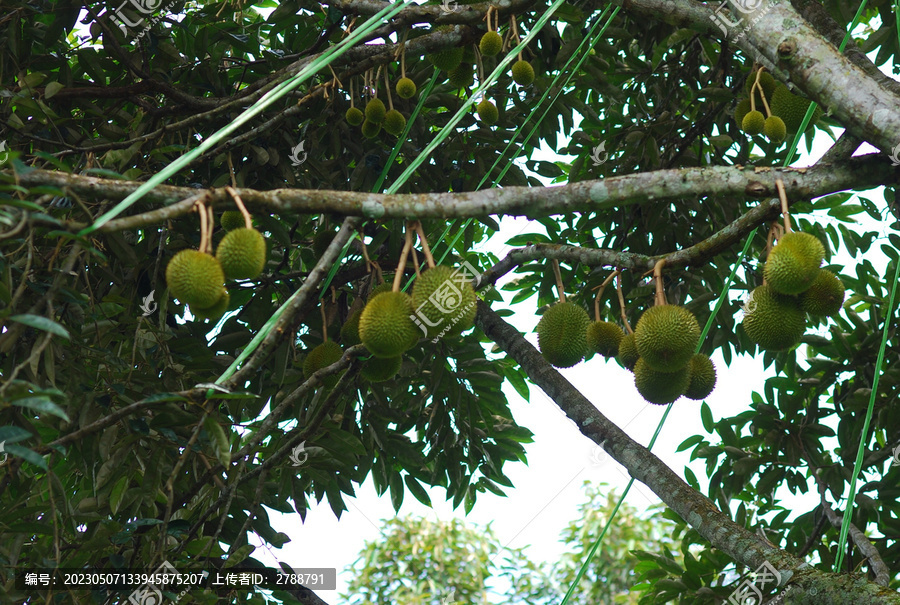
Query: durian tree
(137, 429)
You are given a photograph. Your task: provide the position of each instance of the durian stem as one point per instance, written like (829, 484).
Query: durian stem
(324, 324)
(231, 170)
(365, 252)
(210, 226)
(201, 210)
(657, 275)
(425, 247)
(248, 221)
(622, 302)
(398, 276)
(600, 289)
(559, 284)
(479, 68)
(387, 86)
(785, 211)
(351, 92)
(403, 55)
(336, 79)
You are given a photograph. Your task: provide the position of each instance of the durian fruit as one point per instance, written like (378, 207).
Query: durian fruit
(462, 76)
(792, 108)
(773, 321)
(242, 253)
(660, 387)
(354, 116)
(320, 357)
(491, 43)
(447, 302)
(488, 112)
(321, 240)
(794, 263)
(666, 337)
(522, 72)
(406, 88)
(370, 130)
(628, 354)
(231, 219)
(562, 334)
(215, 312)
(774, 129)
(825, 296)
(742, 109)
(394, 122)
(754, 122)
(385, 287)
(195, 278)
(375, 111)
(379, 369)
(603, 337)
(703, 377)
(447, 59)
(350, 329)
(386, 327)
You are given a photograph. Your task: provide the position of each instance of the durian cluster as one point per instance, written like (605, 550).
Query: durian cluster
(377, 116)
(794, 286)
(198, 278)
(660, 352)
(390, 324)
(784, 110)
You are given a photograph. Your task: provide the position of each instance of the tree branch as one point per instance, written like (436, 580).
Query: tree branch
(743, 182)
(723, 533)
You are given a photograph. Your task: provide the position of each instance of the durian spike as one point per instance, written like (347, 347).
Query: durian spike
(785, 212)
(622, 302)
(398, 276)
(559, 284)
(248, 221)
(657, 275)
(601, 288)
(201, 210)
(425, 247)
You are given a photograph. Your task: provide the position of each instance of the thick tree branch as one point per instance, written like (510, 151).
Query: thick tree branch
(811, 586)
(744, 182)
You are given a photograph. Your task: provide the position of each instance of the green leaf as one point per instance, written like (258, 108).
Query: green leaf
(706, 417)
(41, 404)
(396, 484)
(689, 442)
(41, 323)
(115, 496)
(417, 490)
(12, 434)
(52, 88)
(220, 443)
(29, 455)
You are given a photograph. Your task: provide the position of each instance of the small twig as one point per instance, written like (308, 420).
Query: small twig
(657, 275)
(622, 302)
(600, 289)
(559, 283)
(324, 323)
(398, 276)
(387, 87)
(201, 209)
(248, 221)
(425, 247)
(785, 211)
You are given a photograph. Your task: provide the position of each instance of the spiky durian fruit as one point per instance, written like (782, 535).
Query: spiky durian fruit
(379, 369)
(385, 287)
(447, 59)
(231, 219)
(825, 296)
(321, 240)
(491, 43)
(195, 278)
(462, 76)
(215, 312)
(488, 112)
(660, 387)
(350, 329)
(394, 122)
(703, 377)
(628, 354)
(354, 116)
(375, 111)
(386, 327)
(562, 334)
(406, 88)
(742, 109)
(754, 122)
(773, 321)
(666, 337)
(603, 337)
(320, 357)
(792, 108)
(370, 130)
(446, 301)
(242, 253)
(522, 72)
(774, 129)
(794, 263)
